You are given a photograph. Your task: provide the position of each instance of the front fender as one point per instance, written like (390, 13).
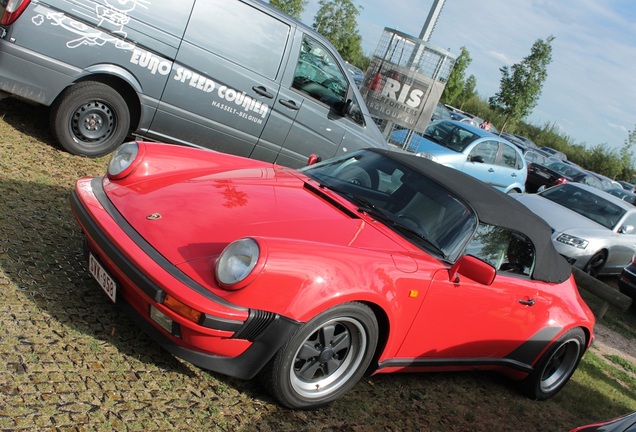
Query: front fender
(301, 279)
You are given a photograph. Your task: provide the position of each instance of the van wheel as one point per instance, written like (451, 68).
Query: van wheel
(90, 119)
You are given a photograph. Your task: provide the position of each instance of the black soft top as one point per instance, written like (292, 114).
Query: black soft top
(495, 208)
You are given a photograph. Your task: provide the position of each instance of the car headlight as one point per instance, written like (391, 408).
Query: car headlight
(573, 241)
(236, 263)
(426, 155)
(121, 162)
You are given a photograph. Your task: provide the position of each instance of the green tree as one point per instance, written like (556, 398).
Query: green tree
(456, 82)
(603, 160)
(337, 21)
(294, 8)
(521, 84)
(627, 156)
(468, 91)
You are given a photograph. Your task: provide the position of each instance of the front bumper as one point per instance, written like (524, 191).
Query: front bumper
(236, 341)
(575, 256)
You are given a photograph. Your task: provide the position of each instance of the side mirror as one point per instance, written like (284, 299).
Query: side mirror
(627, 229)
(345, 108)
(472, 268)
(313, 159)
(479, 159)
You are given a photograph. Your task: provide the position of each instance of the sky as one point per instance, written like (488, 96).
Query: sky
(590, 91)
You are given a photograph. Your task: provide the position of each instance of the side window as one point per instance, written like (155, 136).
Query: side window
(487, 150)
(319, 76)
(631, 220)
(508, 157)
(232, 35)
(591, 181)
(506, 250)
(531, 157)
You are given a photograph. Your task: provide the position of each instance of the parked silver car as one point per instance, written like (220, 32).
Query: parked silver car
(592, 229)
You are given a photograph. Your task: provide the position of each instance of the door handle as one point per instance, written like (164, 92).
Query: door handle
(289, 104)
(514, 175)
(263, 92)
(529, 302)
(491, 170)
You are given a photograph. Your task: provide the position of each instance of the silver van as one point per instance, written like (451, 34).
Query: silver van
(235, 76)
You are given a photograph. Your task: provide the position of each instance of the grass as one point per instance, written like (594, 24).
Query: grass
(69, 360)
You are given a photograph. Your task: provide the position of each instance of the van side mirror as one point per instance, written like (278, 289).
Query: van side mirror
(472, 268)
(345, 108)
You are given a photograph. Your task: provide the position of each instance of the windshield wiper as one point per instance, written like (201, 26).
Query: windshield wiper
(393, 221)
(364, 205)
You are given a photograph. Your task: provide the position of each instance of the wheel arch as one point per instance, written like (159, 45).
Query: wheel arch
(383, 334)
(604, 250)
(588, 335)
(587, 332)
(122, 81)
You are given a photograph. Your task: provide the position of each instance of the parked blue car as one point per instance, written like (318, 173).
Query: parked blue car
(474, 151)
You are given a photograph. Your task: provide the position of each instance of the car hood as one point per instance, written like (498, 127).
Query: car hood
(442, 154)
(560, 218)
(191, 217)
(418, 144)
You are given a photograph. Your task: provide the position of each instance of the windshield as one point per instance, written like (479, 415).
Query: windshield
(405, 200)
(450, 135)
(586, 203)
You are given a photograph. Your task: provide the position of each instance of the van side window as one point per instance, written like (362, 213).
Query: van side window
(219, 26)
(506, 250)
(318, 75)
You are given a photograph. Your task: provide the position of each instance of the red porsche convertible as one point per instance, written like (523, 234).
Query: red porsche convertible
(375, 261)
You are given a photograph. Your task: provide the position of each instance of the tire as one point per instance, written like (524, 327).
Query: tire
(556, 366)
(595, 264)
(324, 359)
(90, 119)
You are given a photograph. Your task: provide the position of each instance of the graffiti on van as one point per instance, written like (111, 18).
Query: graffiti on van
(235, 99)
(113, 14)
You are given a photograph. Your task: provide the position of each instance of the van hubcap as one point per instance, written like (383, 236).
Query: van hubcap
(93, 121)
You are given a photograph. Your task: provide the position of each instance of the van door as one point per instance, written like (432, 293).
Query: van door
(314, 94)
(224, 80)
